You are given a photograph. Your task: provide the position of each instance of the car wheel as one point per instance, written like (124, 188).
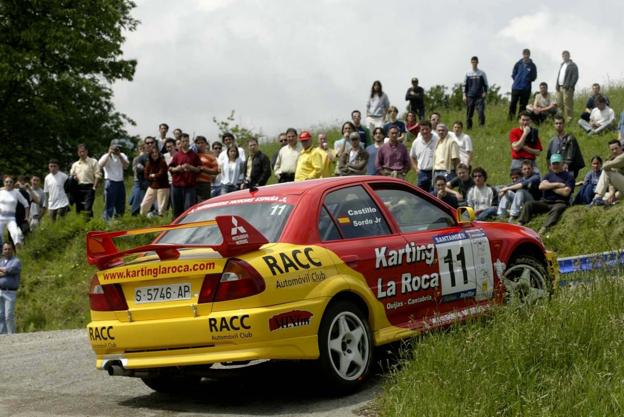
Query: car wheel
(345, 345)
(169, 383)
(526, 281)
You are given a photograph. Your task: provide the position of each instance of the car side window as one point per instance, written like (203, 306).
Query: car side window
(355, 213)
(327, 228)
(412, 212)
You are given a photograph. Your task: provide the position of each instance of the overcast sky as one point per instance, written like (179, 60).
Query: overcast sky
(282, 63)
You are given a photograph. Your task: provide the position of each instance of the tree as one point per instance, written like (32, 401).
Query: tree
(58, 60)
(230, 125)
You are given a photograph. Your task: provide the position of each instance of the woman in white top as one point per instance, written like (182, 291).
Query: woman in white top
(9, 198)
(231, 171)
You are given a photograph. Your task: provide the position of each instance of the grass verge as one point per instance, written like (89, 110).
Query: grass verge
(561, 358)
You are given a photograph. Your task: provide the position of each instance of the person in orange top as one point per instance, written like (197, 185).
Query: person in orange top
(207, 171)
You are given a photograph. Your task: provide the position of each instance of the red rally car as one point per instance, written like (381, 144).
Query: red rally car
(318, 270)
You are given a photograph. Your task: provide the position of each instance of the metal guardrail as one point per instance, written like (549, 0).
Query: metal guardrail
(611, 260)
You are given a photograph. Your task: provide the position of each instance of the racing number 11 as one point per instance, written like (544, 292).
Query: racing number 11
(461, 257)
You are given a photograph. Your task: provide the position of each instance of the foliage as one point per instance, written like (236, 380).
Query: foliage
(437, 97)
(230, 125)
(561, 358)
(57, 62)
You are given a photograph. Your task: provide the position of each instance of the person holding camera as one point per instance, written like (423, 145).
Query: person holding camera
(525, 142)
(113, 163)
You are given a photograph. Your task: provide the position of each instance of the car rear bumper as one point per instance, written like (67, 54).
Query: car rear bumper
(287, 331)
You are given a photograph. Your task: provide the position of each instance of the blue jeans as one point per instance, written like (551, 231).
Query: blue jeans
(425, 179)
(136, 196)
(114, 198)
(486, 214)
(182, 198)
(7, 311)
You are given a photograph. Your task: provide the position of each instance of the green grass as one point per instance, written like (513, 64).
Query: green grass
(562, 358)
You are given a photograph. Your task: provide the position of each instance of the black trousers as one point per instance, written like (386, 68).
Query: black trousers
(518, 95)
(287, 177)
(554, 209)
(85, 195)
(473, 103)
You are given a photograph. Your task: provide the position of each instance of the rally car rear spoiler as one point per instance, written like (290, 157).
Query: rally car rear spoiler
(238, 237)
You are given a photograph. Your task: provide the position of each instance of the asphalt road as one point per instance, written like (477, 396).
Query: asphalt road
(53, 374)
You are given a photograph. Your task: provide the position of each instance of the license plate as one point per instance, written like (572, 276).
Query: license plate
(161, 293)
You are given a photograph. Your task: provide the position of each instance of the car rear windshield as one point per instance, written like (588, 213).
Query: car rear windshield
(268, 218)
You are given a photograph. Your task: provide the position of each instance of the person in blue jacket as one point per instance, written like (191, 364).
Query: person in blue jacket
(523, 74)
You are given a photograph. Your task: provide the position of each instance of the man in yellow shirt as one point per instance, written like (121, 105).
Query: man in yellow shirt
(310, 162)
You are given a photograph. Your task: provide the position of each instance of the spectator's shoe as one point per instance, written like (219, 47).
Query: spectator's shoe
(597, 201)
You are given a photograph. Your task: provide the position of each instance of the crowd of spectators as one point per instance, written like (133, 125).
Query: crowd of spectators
(178, 171)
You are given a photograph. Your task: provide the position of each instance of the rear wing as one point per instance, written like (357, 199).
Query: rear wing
(238, 237)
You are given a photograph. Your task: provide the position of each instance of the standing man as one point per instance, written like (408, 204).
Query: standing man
(310, 161)
(446, 154)
(421, 154)
(184, 168)
(140, 183)
(163, 128)
(565, 144)
(523, 74)
(329, 157)
(392, 158)
(257, 166)
(10, 268)
(525, 142)
(416, 97)
(282, 142)
(208, 169)
(356, 118)
(286, 162)
(54, 187)
(114, 162)
(556, 186)
(37, 206)
(566, 81)
(86, 173)
(371, 150)
(475, 91)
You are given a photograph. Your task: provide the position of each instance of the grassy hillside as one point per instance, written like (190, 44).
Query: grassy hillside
(563, 358)
(55, 277)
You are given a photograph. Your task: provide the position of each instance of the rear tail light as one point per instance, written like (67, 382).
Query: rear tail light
(237, 280)
(106, 297)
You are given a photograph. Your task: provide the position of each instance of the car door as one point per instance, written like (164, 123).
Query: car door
(353, 226)
(451, 265)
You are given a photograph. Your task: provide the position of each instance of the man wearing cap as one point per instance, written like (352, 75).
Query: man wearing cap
(310, 162)
(557, 186)
(355, 160)
(113, 163)
(416, 97)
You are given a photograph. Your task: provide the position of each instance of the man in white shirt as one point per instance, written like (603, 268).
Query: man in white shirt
(464, 142)
(421, 155)
(600, 118)
(54, 188)
(286, 162)
(114, 162)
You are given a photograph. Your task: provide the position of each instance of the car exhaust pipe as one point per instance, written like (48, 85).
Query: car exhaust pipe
(116, 369)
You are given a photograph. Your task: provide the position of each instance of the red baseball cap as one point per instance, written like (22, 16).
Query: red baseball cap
(305, 135)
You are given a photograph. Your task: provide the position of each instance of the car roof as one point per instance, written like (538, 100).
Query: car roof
(299, 188)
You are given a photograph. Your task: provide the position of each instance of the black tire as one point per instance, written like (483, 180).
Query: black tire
(526, 281)
(172, 383)
(345, 346)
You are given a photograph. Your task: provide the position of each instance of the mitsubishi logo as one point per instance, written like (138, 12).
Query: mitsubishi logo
(236, 229)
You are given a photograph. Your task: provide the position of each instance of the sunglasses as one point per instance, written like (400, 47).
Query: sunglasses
(149, 143)
(476, 175)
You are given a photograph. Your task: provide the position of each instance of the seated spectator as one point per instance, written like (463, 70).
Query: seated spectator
(393, 114)
(355, 161)
(611, 182)
(588, 185)
(591, 101)
(556, 186)
(412, 126)
(621, 128)
(514, 196)
(443, 194)
(565, 143)
(481, 197)
(544, 105)
(601, 118)
(460, 185)
(464, 142)
(525, 142)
